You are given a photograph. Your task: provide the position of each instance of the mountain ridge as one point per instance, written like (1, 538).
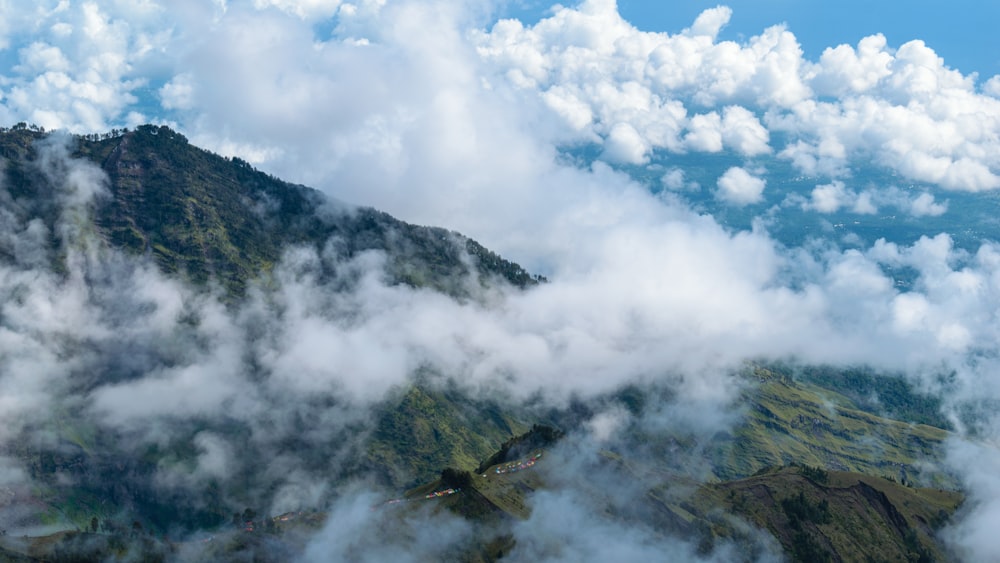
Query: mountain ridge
(209, 217)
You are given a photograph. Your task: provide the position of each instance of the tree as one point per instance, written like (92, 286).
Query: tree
(455, 478)
(93, 524)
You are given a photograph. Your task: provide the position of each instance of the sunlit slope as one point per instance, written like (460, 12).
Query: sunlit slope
(837, 516)
(787, 421)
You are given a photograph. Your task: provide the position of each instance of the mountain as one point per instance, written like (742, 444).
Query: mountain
(818, 463)
(207, 217)
(147, 196)
(837, 516)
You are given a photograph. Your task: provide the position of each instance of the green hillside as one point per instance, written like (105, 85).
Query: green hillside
(865, 472)
(429, 429)
(812, 514)
(788, 421)
(207, 217)
(839, 516)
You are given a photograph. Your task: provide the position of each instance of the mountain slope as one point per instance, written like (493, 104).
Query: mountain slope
(208, 217)
(789, 421)
(840, 516)
(428, 429)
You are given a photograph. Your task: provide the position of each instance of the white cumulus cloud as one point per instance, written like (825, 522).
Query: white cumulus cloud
(739, 187)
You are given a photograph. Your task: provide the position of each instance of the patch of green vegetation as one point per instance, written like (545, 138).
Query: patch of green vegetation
(853, 517)
(428, 429)
(793, 422)
(509, 492)
(886, 395)
(489, 496)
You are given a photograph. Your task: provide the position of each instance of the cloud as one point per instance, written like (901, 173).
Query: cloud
(924, 205)
(355, 531)
(992, 86)
(178, 93)
(939, 143)
(845, 70)
(564, 527)
(305, 9)
(536, 60)
(625, 145)
(705, 133)
(710, 22)
(739, 187)
(81, 69)
(674, 179)
(743, 132)
(832, 197)
(583, 73)
(829, 198)
(593, 508)
(880, 94)
(971, 536)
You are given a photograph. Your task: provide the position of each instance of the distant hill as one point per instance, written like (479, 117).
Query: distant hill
(428, 429)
